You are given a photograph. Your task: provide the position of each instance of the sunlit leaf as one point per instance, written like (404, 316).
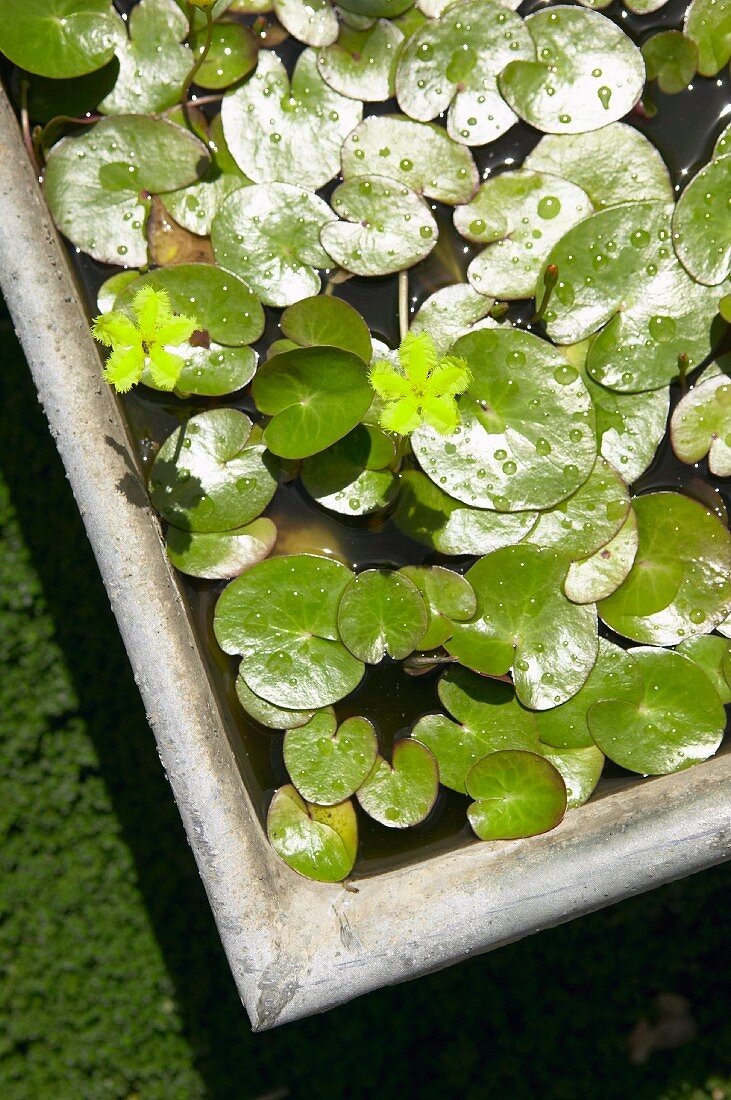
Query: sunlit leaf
(153, 65)
(220, 555)
(713, 655)
(708, 24)
(517, 794)
(671, 59)
(60, 38)
(361, 64)
(448, 598)
(381, 613)
(595, 577)
(701, 425)
(449, 313)
(702, 222)
(316, 841)
(327, 762)
(401, 794)
(353, 476)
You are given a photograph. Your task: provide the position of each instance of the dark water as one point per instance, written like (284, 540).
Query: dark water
(684, 130)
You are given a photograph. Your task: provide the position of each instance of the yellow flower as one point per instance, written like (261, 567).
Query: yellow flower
(423, 390)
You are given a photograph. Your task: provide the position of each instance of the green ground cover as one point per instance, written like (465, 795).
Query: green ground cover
(114, 985)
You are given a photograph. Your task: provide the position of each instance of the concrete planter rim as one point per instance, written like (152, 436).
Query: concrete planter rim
(297, 947)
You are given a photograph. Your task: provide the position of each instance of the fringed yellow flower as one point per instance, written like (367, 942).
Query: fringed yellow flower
(423, 391)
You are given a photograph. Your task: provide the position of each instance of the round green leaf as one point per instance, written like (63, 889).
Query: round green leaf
(311, 21)
(519, 216)
(375, 9)
(95, 181)
(701, 425)
(153, 65)
(270, 235)
(612, 165)
(418, 154)
(233, 54)
(448, 597)
(595, 577)
(220, 555)
(206, 478)
(281, 616)
(318, 842)
(708, 24)
(488, 719)
(328, 763)
(723, 143)
(426, 514)
(713, 655)
(525, 623)
(112, 287)
(386, 227)
(315, 396)
(195, 207)
(362, 63)
(588, 73)
(680, 583)
(671, 59)
(267, 714)
(526, 438)
(674, 720)
(449, 313)
(327, 320)
(60, 38)
(401, 794)
(618, 273)
(288, 133)
(518, 794)
(453, 63)
(353, 477)
(210, 372)
(702, 222)
(580, 770)
(381, 613)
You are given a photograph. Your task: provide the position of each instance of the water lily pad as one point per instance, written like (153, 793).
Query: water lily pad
(520, 216)
(526, 438)
(612, 165)
(580, 769)
(210, 372)
(218, 556)
(518, 794)
(449, 313)
(588, 73)
(327, 320)
(525, 623)
(60, 38)
(418, 154)
(313, 22)
(452, 63)
(713, 655)
(327, 762)
(428, 515)
(195, 207)
(587, 520)
(319, 842)
(269, 124)
(618, 273)
(315, 396)
(671, 59)
(448, 597)
(233, 54)
(112, 287)
(701, 425)
(488, 718)
(353, 477)
(94, 182)
(208, 477)
(381, 613)
(708, 24)
(386, 226)
(595, 577)
(702, 222)
(153, 65)
(614, 676)
(270, 235)
(281, 616)
(675, 719)
(680, 583)
(401, 794)
(361, 64)
(267, 714)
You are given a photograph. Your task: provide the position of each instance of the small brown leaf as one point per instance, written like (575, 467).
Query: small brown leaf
(171, 244)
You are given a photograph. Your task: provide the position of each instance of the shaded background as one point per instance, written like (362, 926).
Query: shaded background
(114, 984)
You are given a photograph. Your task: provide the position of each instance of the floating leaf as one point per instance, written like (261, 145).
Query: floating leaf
(361, 64)
(153, 65)
(518, 794)
(701, 425)
(680, 583)
(612, 165)
(453, 63)
(214, 371)
(525, 623)
(523, 405)
(94, 182)
(707, 23)
(281, 616)
(327, 320)
(381, 613)
(327, 762)
(112, 287)
(520, 216)
(713, 655)
(194, 207)
(449, 313)
(353, 477)
(208, 477)
(595, 577)
(671, 59)
(311, 21)
(267, 714)
(315, 396)
(270, 125)
(488, 718)
(218, 556)
(588, 73)
(232, 56)
(60, 38)
(318, 842)
(448, 598)
(648, 309)
(418, 154)
(723, 143)
(401, 794)
(375, 9)
(702, 222)
(386, 227)
(675, 718)
(270, 235)
(169, 243)
(580, 770)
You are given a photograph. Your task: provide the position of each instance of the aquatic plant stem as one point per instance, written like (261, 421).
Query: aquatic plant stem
(203, 54)
(550, 278)
(403, 303)
(25, 126)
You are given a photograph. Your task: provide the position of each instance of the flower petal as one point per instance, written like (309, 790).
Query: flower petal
(123, 368)
(177, 330)
(388, 382)
(441, 413)
(115, 328)
(165, 367)
(418, 357)
(401, 416)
